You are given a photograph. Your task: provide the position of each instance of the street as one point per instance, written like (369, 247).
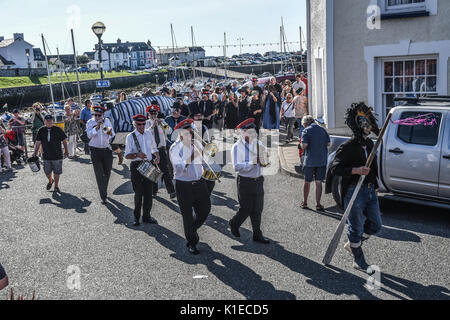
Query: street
(47, 240)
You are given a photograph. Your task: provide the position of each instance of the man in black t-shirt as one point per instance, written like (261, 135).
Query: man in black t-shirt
(51, 137)
(3, 278)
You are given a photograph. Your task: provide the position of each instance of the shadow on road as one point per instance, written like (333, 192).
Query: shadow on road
(6, 177)
(231, 272)
(67, 201)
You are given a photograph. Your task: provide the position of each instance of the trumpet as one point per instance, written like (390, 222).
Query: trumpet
(162, 123)
(209, 149)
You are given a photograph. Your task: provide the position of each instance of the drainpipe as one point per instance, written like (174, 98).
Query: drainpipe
(309, 57)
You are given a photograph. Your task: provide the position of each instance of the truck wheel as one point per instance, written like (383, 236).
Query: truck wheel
(336, 191)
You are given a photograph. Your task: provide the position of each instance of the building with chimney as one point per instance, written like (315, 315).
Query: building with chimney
(16, 52)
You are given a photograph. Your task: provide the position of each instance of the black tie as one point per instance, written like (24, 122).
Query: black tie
(157, 139)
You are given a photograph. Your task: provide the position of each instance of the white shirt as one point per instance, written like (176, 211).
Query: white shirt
(180, 156)
(245, 158)
(162, 134)
(99, 139)
(146, 142)
(288, 108)
(297, 85)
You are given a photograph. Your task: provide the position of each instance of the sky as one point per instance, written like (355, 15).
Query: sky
(138, 20)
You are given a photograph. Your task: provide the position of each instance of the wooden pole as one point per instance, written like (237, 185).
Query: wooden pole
(48, 72)
(76, 67)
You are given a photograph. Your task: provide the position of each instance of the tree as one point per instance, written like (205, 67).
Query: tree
(82, 60)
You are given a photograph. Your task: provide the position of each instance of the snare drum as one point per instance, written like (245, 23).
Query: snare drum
(213, 175)
(150, 171)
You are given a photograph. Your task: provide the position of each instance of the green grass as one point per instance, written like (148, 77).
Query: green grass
(10, 82)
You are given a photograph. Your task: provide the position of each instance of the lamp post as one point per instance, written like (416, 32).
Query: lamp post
(28, 59)
(99, 29)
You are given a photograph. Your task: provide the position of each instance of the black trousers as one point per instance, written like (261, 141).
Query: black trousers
(193, 196)
(102, 159)
(210, 185)
(143, 193)
(251, 201)
(164, 166)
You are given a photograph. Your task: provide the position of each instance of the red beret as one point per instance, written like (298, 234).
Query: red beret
(249, 123)
(140, 117)
(99, 109)
(153, 107)
(184, 124)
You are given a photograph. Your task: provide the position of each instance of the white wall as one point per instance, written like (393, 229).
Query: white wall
(16, 53)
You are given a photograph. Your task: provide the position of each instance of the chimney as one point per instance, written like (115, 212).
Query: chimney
(17, 36)
(149, 43)
(2, 38)
(119, 41)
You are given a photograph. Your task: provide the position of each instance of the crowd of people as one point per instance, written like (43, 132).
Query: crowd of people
(181, 158)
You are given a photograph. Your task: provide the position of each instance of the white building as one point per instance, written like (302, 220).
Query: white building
(185, 54)
(375, 50)
(17, 50)
(134, 55)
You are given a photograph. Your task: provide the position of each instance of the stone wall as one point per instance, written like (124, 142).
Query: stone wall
(22, 72)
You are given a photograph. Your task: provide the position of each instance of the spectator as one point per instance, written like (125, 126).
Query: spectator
(256, 109)
(244, 105)
(298, 84)
(51, 137)
(72, 130)
(271, 118)
(315, 141)
(218, 109)
(231, 112)
(17, 124)
(287, 90)
(4, 149)
(301, 109)
(287, 110)
(305, 81)
(273, 82)
(37, 120)
(122, 97)
(3, 278)
(85, 116)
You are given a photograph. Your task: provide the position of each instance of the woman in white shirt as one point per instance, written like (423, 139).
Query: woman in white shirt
(288, 111)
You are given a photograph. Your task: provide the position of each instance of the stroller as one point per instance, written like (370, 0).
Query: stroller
(16, 154)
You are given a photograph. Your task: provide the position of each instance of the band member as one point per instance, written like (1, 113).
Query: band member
(202, 132)
(100, 132)
(364, 219)
(140, 146)
(160, 131)
(250, 181)
(192, 192)
(173, 120)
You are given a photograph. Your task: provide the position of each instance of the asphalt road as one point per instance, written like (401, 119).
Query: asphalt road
(43, 234)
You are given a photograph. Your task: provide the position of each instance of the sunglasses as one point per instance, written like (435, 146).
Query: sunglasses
(98, 115)
(140, 124)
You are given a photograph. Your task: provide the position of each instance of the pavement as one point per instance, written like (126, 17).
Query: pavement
(69, 246)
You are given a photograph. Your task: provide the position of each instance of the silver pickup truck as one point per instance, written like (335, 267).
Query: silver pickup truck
(413, 161)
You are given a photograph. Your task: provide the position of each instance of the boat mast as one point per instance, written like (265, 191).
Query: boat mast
(48, 71)
(193, 54)
(225, 53)
(60, 75)
(76, 66)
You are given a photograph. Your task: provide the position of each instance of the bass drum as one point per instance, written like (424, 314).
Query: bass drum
(150, 171)
(212, 171)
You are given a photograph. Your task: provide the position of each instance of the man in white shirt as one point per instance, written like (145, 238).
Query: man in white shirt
(192, 191)
(99, 131)
(140, 146)
(160, 134)
(246, 163)
(298, 84)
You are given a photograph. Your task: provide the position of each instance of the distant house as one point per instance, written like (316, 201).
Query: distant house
(5, 64)
(375, 51)
(134, 55)
(39, 59)
(17, 50)
(185, 54)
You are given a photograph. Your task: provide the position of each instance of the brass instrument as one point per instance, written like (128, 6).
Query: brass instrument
(162, 123)
(209, 149)
(263, 156)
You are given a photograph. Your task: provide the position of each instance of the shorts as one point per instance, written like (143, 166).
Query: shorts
(315, 173)
(54, 166)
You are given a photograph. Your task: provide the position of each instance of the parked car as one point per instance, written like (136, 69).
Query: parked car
(413, 161)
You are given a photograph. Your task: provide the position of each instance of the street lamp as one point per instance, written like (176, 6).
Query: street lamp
(99, 29)
(27, 52)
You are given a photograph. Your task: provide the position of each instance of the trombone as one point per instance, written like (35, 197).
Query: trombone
(209, 149)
